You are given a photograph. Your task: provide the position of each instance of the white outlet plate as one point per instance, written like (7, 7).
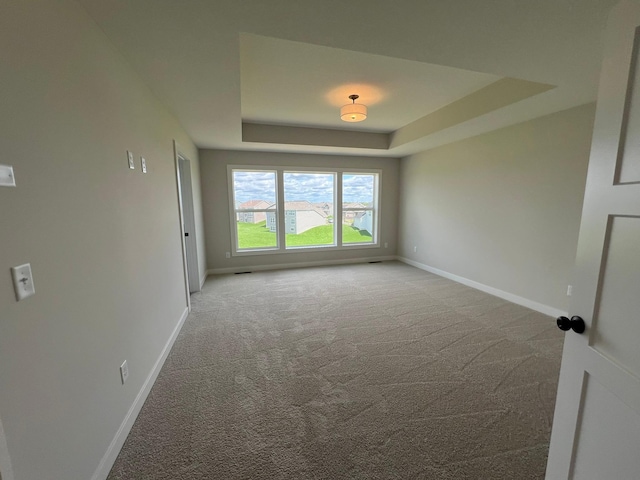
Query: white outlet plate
(227, 255)
(23, 281)
(415, 249)
(569, 290)
(124, 372)
(7, 179)
(132, 165)
(386, 245)
(143, 162)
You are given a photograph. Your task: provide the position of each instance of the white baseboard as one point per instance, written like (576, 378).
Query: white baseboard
(525, 302)
(204, 279)
(116, 444)
(282, 266)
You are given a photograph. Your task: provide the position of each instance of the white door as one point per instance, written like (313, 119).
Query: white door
(189, 224)
(596, 426)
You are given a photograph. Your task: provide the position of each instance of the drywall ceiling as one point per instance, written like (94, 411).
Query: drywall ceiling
(294, 83)
(442, 70)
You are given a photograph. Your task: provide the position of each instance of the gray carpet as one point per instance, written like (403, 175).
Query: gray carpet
(373, 371)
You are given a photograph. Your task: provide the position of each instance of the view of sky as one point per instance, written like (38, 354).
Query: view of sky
(358, 188)
(254, 186)
(314, 187)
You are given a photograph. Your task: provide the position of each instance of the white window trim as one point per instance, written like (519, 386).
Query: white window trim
(375, 210)
(234, 211)
(281, 242)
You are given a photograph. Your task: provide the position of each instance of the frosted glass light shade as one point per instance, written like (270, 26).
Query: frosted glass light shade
(353, 112)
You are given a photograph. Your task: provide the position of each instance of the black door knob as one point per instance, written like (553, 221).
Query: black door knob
(576, 324)
(563, 323)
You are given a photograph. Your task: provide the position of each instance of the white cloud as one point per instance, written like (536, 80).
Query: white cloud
(314, 187)
(254, 186)
(357, 188)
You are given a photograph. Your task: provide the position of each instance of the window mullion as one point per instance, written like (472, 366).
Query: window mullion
(337, 219)
(375, 211)
(280, 213)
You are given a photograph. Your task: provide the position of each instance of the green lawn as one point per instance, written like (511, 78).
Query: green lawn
(256, 235)
(353, 235)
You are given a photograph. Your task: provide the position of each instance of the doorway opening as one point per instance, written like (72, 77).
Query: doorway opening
(187, 224)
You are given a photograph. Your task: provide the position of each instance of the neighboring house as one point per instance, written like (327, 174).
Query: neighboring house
(327, 208)
(253, 217)
(298, 217)
(350, 215)
(364, 221)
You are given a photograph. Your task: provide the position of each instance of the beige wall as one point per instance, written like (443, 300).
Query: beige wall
(502, 209)
(103, 241)
(215, 199)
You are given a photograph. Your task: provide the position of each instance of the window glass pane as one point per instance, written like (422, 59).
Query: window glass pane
(357, 190)
(359, 204)
(309, 209)
(253, 235)
(255, 191)
(357, 226)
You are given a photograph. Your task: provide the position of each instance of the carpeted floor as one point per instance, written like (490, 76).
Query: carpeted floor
(373, 371)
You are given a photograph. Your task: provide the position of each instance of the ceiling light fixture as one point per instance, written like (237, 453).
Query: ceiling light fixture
(353, 112)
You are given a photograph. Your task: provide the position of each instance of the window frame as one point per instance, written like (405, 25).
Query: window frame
(280, 247)
(235, 211)
(335, 176)
(374, 209)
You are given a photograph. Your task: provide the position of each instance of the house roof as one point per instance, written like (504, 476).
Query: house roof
(301, 206)
(304, 205)
(262, 76)
(258, 204)
(354, 205)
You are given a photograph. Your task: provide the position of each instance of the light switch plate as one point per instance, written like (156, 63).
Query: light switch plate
(6, 176)
(132, 165)
(144, 164)
(23, 281)
(124, 372)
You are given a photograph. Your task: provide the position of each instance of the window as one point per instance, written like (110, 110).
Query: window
(359, 193)
(278, 209)
(308, 209)
(254, 203)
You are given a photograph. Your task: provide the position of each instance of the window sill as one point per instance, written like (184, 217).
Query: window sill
(278, 251)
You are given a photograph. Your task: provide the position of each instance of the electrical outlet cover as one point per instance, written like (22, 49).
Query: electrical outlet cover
(144, 164)
(23, 281)
(7, 179)
(132, 165)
